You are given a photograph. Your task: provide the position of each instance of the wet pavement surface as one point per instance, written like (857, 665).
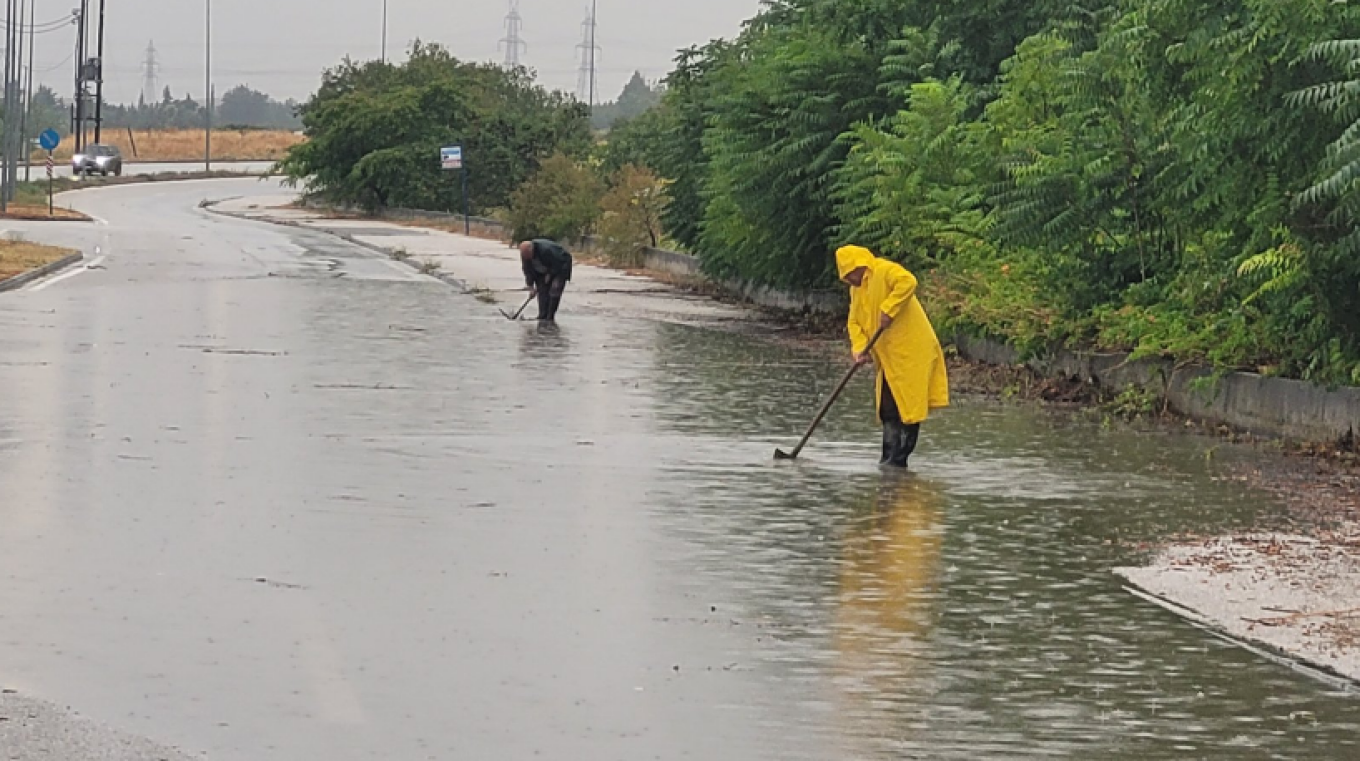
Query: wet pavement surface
(269, 496)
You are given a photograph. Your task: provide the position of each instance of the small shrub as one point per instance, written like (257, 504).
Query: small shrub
(632, 215)
(560, 201)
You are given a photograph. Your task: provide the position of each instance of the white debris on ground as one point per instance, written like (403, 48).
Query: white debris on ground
(1294, 594)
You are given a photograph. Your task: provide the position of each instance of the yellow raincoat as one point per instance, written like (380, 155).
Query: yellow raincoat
(909, 353)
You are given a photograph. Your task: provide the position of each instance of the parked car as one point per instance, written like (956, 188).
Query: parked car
(98, 159)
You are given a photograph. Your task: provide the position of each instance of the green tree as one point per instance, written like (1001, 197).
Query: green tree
(632, 214)
(636, 99)
(560, 201)
(375, 129)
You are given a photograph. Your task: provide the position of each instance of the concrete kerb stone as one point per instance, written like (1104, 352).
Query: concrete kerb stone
(23, 279)
(1275, 407)
(1292, 659)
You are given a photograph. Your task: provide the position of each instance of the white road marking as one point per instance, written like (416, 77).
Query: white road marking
(95, 262)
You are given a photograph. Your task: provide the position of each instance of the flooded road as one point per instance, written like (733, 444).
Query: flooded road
(269, 497)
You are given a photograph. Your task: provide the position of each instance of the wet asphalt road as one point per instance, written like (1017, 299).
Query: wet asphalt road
(266, 496)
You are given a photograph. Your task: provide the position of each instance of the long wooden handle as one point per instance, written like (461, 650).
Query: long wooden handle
(526, 306)
(835, 395)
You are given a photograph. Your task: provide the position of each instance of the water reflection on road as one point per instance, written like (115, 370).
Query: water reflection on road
(967, 610)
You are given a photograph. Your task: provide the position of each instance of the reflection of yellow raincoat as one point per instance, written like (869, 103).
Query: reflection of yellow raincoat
(885, 609)
(908, 354)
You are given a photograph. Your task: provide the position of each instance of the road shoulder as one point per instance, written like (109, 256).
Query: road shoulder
(490, 271)
(22, 262)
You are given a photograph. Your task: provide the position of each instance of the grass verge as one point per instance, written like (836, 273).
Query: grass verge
(188, 144)
(18, 257)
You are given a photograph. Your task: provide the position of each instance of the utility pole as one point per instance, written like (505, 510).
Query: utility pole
(16, 132)
(99, 81)
(11, 28)
(591, 102)
(384, 32)
(207, 89)
(514, 45)
(23, 124)
(78, 126)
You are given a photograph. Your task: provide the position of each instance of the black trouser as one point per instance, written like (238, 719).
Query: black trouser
(899, 439)
(550, 290)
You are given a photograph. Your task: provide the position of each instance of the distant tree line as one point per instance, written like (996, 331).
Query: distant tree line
(637, 97)
(240, 107)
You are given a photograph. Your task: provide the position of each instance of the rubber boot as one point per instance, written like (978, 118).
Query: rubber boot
(889, 442)
(544, 303)
(893, 435)
(905, 445)
(553, 303)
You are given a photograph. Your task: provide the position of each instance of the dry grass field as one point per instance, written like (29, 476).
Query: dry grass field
(18, 257)
(187, 145)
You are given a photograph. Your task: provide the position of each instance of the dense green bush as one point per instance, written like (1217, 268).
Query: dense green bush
(1164, 176)
(560, 201)
(374, 131)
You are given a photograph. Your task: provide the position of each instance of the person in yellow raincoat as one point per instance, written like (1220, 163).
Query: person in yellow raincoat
(912, 379)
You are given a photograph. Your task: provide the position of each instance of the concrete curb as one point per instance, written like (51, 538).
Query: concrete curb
(84, 219)
(386, 253)
(23, 279)
(1297, 661)
(1272, 407)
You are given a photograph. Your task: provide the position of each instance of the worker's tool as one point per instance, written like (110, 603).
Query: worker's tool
(780, 454)
(516, 315)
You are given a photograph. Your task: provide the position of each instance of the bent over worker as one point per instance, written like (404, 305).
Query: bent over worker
(912, 379)
(547, 270)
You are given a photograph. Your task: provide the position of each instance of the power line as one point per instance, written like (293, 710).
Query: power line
(512, 42)
(44, 27)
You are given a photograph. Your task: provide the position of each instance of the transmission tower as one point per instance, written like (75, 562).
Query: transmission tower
(151, 68)
(585, 77)
(512, 42)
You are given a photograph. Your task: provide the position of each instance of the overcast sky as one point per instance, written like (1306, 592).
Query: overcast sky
(281, 46)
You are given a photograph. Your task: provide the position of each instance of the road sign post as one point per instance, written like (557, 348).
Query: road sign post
(49, 140)
(451, 158)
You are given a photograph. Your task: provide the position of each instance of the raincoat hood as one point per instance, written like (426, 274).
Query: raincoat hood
(851, 258)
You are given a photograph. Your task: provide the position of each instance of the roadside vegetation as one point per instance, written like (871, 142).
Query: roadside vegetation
(374, 131)
(18, 257)
(1164, 177)
(187, 145)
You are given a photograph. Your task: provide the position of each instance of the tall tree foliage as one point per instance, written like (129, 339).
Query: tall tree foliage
(782, 98)
(375, 129)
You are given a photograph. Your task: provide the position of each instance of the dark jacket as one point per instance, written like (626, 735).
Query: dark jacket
(549, 260)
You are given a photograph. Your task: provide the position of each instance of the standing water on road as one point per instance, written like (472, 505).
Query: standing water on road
(267, 499)
(967, 609)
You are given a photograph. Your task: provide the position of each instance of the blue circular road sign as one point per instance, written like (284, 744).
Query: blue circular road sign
(49, 140)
